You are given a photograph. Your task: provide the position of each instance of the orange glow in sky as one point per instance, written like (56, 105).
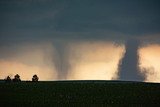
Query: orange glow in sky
(25, 71)
(29, 59)
(87, 60)
(150, 62)
(95, 61)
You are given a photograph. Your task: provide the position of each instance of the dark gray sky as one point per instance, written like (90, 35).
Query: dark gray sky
(36, 19)
(65, 20)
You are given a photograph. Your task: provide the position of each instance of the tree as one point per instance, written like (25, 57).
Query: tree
(35, 78)
(16, 78)
(8, 79)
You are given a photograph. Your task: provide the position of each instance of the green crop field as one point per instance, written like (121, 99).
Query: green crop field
(79, 93)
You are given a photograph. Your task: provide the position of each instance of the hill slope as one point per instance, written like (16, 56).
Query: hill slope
(73, 93)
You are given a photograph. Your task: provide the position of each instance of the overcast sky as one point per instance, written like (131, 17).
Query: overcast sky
(21, 19)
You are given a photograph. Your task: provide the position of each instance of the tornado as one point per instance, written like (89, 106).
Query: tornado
(61, 60)
(129, 70)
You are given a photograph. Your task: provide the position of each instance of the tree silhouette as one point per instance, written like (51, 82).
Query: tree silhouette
(8, 79)
(35, 78)
(16, 78)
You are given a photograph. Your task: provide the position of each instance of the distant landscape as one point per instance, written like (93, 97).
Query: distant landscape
(83, 93)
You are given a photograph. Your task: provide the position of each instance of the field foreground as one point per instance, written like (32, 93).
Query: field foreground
(83, 93)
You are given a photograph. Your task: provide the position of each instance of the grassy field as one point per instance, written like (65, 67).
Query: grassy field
(75, 93)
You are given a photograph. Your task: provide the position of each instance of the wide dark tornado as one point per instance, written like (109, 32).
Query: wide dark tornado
(129, 70)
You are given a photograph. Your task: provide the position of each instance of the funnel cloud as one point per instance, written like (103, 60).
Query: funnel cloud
(61, 60)
(129, 68)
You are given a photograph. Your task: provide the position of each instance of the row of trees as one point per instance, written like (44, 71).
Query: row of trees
(17, 78)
